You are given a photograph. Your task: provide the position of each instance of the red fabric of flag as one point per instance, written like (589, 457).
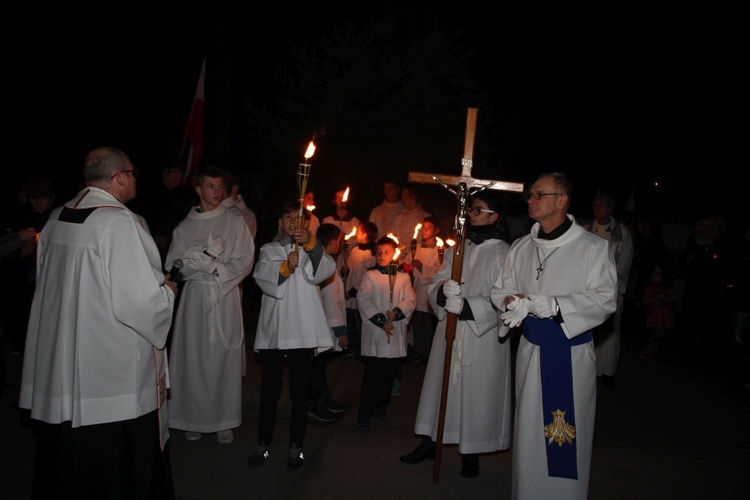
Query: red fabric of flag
(195, 124)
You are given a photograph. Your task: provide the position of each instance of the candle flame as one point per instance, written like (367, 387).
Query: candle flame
(393, 237)
(450, 242)
(310, 208)
(416, 230)
(438, 242)
(351, 233)
(395, 255)
(346, 195)
(310, 150)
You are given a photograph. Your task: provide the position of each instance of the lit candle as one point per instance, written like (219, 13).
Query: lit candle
(345, 198)
(392, 270)
(440, 248)
(303, 175)
(414, 239)
(346, 238)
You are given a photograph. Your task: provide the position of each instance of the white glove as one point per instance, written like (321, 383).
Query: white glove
(515, 312)
(542, 306)
(451, 288)
(454, 304)
(215, 246)
(198, 260)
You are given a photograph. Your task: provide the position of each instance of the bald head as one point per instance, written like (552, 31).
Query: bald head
(110, 169)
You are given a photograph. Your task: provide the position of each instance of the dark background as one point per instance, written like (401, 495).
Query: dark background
(627, 99)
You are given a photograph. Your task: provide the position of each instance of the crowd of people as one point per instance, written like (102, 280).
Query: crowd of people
(130, 320)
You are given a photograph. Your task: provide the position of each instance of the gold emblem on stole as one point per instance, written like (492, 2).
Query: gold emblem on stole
(559, 430)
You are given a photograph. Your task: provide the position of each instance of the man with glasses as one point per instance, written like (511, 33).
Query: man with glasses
(94, 371)
(558, 283)
(478, 407)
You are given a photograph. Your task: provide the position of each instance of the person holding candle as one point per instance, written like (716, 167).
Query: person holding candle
(360, 258)
(478, 406)
(292, 327)
(424, 265)
(343, 218)
(386, 301)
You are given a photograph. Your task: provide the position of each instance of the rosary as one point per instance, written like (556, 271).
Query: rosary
(541, 262)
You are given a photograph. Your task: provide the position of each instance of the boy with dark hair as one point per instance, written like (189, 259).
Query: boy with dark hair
(361, 257)
(386, 302)
(292, 326)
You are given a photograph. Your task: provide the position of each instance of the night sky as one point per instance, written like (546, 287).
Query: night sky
(638, 96)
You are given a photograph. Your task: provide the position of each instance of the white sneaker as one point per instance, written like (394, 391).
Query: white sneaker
(225, 437)
(192, 436)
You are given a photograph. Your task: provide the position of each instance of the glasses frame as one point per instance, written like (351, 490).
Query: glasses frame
(476, 211)
(538, 196)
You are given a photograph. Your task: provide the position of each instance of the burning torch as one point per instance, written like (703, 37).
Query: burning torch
(303, 175)
(414, 240)
(440, 248)
(392, 270)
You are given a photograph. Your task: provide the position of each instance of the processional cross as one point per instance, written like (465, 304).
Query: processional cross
(460, 187)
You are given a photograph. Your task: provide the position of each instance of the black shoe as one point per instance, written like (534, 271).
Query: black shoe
(331, 403)
(363, 426)
(259, 456)
(417, 455)
(318, 410)
(296, 458)
(380, 415)
(470, 465)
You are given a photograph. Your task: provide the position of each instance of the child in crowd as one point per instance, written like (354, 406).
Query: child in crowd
(424, 265)
(659, 298)
(292, 327)
(386, 302)
(322, 405)
(360, 258)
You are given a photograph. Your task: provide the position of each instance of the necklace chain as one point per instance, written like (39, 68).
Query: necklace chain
(540, 269)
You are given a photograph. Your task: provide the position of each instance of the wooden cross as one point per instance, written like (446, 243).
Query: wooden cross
(459, 186)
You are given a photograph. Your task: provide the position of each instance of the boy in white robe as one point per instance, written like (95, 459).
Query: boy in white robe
(386, 302)
(292, 326)
(558, 283)
(207, 349)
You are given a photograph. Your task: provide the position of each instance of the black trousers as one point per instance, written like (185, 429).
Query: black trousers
(299, 363)
(377, 381)
(119, 460)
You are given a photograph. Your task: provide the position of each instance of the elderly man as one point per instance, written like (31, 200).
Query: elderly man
(94, 370)
(558, 282)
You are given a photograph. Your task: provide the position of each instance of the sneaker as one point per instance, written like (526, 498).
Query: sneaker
(331, 403)
(192, 436)
(296, 458)
(396, 389)
(259, 456)
(225, 437)
(318, 410)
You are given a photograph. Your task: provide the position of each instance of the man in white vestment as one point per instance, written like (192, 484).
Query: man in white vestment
(558, 283)
(207, 349)
(95, 367)
(478, 406)
(384, 214)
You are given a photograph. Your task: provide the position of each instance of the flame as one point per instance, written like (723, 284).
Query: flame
(310, 150)
(438, 242)
(310, 208)
(351, 233)
(416, 230)
(395, 255)
(450, 242)
(393, 237)
(345, 198)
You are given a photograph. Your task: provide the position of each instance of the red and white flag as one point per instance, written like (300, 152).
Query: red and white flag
(194, 126)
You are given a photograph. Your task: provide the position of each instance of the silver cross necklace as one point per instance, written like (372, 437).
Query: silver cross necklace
(541, 262)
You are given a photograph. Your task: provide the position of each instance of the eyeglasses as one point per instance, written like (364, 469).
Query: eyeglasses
(133, 171)
(538, 196)
(476, 211)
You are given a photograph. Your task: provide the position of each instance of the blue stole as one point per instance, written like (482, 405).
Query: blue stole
(557, 392)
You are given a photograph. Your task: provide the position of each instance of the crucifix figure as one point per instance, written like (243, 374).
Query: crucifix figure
(462, 187)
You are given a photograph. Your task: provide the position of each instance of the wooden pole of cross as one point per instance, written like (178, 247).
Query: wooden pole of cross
(462, 187)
